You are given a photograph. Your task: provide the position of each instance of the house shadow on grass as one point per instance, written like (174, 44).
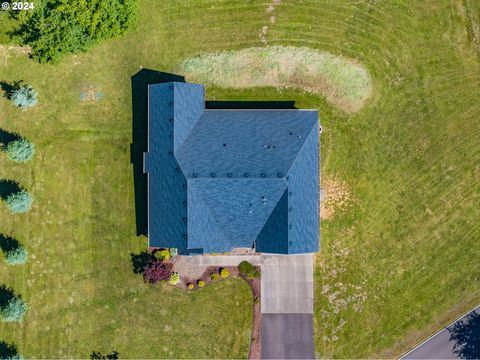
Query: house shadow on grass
(8, 187)
(255, 105)
(140, 82)
(465, 336)
(140, 261)
(8, 351)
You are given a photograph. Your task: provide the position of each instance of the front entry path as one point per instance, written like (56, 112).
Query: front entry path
(287, 307)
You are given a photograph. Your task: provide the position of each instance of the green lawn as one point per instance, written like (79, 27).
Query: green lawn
(403, 262)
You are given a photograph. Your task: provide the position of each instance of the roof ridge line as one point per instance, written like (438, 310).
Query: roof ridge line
(302, 147)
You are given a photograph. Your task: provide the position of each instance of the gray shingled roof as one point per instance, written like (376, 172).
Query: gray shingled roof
(242, 176)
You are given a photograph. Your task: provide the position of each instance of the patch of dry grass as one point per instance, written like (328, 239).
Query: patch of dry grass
(343, 82)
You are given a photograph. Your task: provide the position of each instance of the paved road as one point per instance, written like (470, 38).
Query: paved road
(460, 340)
(287, 307)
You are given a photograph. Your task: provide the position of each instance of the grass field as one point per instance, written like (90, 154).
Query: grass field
(402, 261)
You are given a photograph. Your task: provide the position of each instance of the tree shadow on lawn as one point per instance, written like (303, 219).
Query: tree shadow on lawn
(8, 351)
(140, 82)
(7, 244)
(466, 337)
(9, 88)
(140, 261)
(8, 187)
(6, 294)
(7, 137)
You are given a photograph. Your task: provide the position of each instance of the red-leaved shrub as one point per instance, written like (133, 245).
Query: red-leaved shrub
(156, 271)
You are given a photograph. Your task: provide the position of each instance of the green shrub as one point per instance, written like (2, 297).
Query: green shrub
(256, 300)
(174, 278)
(162, 255)
(13, 310)
(61, 27)
(173, 252)
(224, 273)
(16, 256)
(20, 150)
(24, 97)
(19, 202)
(214, 276)
(190, 286)
(200, 283)
(247, 269)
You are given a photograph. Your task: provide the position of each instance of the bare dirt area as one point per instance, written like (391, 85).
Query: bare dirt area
(337, 198)
(7, 51)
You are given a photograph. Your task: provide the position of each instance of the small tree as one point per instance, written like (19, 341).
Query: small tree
(20, 150)
(14, 310)
(19, 202)
(155, 272)
(24, 97)
(16, 256)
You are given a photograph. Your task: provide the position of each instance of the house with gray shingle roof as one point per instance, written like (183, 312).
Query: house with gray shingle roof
(225, 179)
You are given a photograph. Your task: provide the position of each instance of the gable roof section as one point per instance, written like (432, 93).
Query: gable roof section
(167, 186)
(259, 143)
(238, 207)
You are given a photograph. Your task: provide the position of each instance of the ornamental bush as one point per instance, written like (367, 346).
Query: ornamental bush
(174, 278)
(13, 310)
(190, 286)
(224, 273)
(173, 252)
(20, 150)
(24, 97)
(155, 272)
(19, 202)
(247, 269)
(214, 276)
(200, 283)
(60, 27)
(16, 256)
(162, 255)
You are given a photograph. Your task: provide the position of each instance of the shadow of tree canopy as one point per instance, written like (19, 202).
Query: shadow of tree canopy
(8, 243)
(140, 82)
(6, 294)
(7, 137)
(8, 351)
(9, 87)
(98, 355)
(8, 187)
(140, 261)
(466, 337)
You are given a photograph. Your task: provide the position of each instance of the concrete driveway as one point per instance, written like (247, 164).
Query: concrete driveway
(287, 307)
